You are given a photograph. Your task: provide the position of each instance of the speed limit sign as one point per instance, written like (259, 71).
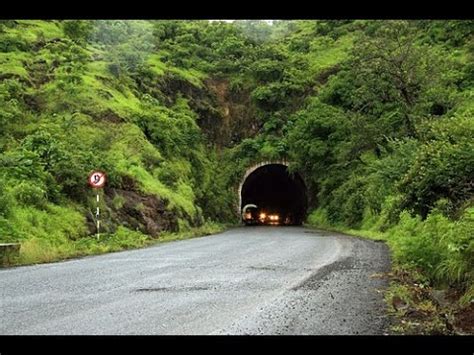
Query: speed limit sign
(97, 179)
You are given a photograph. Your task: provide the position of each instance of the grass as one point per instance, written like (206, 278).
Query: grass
(96, 91)
(127, 153)
(156, 65)
(125, 104)
(38, 250)
(193, 76)
(182, 198)
(56, 224)
(207, 228)
(318, 219)
(159, 68)
(12, 63)
(34, 28)
(325, 53)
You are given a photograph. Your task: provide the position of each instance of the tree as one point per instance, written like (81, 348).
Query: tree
(78, 30)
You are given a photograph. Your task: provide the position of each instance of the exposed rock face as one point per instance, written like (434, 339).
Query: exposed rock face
(237, 114)
(146, 213)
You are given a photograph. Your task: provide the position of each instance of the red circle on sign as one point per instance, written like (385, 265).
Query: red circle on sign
(97, 179)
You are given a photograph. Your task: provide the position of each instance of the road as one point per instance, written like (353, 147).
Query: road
(248, 280)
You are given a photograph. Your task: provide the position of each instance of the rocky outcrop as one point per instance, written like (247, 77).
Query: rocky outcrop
(147, 213)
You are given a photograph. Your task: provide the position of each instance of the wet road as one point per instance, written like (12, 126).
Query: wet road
(249, 280)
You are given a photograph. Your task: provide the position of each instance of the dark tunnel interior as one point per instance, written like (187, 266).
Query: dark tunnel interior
(275, 192)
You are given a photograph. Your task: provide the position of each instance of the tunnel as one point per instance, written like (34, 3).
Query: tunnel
(275, 193)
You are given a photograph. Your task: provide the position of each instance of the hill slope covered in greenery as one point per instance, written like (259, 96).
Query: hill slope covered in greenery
(377, 115)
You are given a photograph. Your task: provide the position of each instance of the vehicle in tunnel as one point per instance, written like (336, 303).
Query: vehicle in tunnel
(250, 214)
(268, 218)
(255, 216)
(281, 197)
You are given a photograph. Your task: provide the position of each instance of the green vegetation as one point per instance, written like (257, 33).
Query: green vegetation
(75, 98)
(377, 115)
(388, 144)
(41, 250)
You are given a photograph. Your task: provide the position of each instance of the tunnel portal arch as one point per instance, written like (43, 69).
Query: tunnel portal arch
(281, 183)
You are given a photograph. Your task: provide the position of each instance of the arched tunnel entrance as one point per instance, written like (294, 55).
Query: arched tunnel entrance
(280, 197)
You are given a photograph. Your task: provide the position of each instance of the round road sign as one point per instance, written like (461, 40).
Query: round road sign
(97, 179)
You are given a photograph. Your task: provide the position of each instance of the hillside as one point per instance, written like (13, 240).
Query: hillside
(377, 115)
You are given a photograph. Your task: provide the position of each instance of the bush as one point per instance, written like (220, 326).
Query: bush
(78, 30)
(13, 43)
(27, 193)
(318, 218)
(442, 248)
(348, 203)
(6, 200)
(441, 170)
(126, 238)
(443, 166)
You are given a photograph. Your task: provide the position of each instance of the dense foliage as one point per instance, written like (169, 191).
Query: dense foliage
(376, 115)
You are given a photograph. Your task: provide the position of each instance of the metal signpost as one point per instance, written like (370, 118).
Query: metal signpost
(97, 180)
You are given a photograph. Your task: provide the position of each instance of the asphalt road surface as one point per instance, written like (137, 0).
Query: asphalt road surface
(249, 280)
